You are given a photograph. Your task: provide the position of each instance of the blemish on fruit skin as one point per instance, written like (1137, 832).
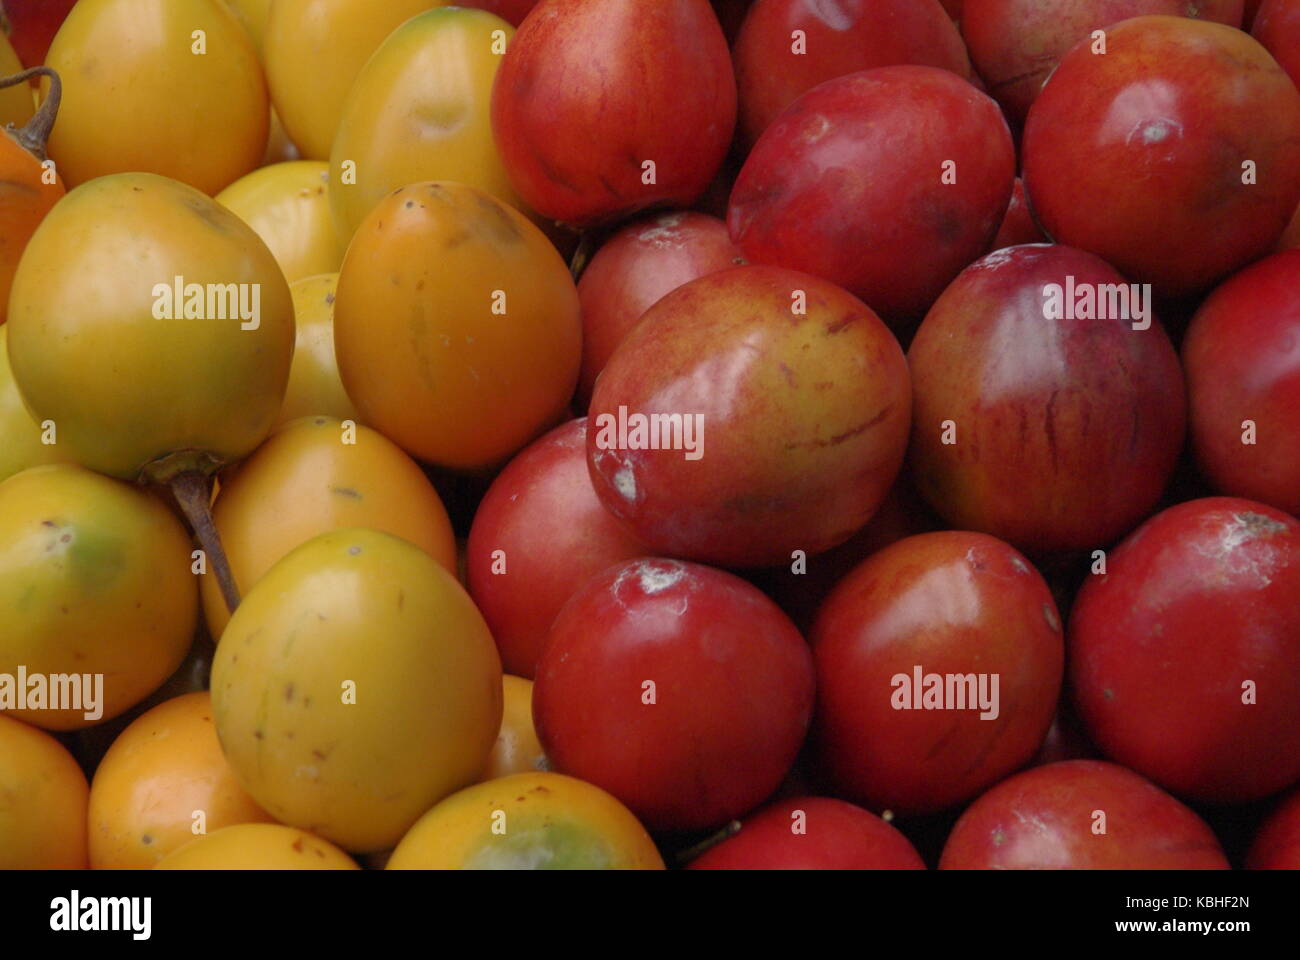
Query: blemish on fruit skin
(1052, 619)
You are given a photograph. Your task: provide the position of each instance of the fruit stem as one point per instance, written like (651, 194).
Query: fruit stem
(37, 132)
(708, 843)
(193, 491)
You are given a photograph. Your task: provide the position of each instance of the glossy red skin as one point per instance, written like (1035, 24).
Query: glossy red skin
(33, 24)
(950, 602)
(1137, 155)
(1043, 819)
(1015, 44)
(842, 38)
(635, 268)
(542, 511)
(838, 836)
(1018, 224)
(589, 90)
(840, 185)
(1277, 844)
(1201, 598)
(1043, 408)
(734, 692)
(1242, 358)
(901, 514)
(805, 419)
(512, 11)
(1277, 27)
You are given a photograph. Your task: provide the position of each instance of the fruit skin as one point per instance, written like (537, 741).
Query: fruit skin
(42, 801)
(16, 103)
(838, 39)
(1044, 818)
(1042, 408)
(393, 632)
(1202, 598)
(511, 11)
(158, 772)
(732, 694)
(303, 35)
(25, 200)
(423, 348)
(124, 387)
(847, 184)
(34, 24)
(541, 506)
(252, 16)
(837, 836)
(517, 749)
(1242, 357)
(258, 846)
(315, 386)
(805, 418)
(1018, 224)
(951, 603)
(20, 435)
(551, 822)
(154, 105)
(1015, 44)
(287, 205)
(1277, 844)
(591, 90)
(1146, 181)
(94, 579)
(1277, 27)
(634, 269)
(306, 480)
(420, 110)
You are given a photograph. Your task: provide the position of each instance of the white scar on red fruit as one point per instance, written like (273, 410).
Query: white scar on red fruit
(1228, 549)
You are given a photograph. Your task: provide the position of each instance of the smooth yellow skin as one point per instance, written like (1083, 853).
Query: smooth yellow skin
(314, 50)
(517, 748)
(42, 801)
(252, 16)
(529, 821)
(258, 846)
(287, 205)
(123, 387)
(159, 771)
(365, 613)
(20, 435)
(421, 110)
(420, 350)
(94, 578)
(314, 383)
(305, 481)
(16, 103)
(136, 96)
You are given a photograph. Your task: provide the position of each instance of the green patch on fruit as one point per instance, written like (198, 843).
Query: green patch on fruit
(549, 845)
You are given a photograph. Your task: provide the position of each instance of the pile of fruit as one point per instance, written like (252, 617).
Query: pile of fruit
(639, 433)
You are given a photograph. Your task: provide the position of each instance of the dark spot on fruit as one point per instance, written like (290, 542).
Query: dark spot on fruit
(66, 538)
(288, 692)
(47, 523)
(257, 734)
(319, 852)
(329, 298)
(145, 838)
(346, 492)
(297, 845)
(410, 204)
(318, 755)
